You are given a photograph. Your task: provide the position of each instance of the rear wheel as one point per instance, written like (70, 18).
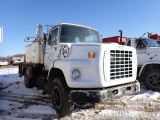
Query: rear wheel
(151, 80)
(61, 97)
(27, 80)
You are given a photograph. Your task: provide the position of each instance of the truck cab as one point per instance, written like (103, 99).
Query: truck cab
(148, 55)
(147, 50)
(68, 37)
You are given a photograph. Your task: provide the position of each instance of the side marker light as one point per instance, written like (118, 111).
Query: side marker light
(91, 54)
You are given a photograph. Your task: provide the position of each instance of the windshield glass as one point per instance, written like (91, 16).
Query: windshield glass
(3, 60)
(151, 43)
(78, 34)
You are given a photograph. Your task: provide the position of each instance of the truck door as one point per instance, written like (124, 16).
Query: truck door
(51, 52)
(140, 48)
(141, 52)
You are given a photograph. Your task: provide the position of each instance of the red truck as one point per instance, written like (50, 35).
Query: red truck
(116, 39)
(154, 37)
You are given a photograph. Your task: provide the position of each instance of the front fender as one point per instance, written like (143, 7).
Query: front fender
(87, 77)
(150, 64)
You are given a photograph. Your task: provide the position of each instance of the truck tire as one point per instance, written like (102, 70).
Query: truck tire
(61, 97)
(151, 80)
(27, 80)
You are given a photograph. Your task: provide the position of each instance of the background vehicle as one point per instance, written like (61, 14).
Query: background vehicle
(154, 37)
(72, 65)
(15, 60)
(148, 55)
(3, 63)
(115, 39)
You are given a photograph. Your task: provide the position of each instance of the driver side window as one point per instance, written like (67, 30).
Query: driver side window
(52, 38)
(140, 44)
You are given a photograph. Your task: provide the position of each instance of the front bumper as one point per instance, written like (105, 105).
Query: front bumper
(102, 95)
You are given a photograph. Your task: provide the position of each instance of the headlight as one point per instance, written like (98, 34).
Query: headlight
(75, 74)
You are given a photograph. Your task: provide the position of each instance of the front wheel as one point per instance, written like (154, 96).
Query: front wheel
(151, 80)
(61, 97)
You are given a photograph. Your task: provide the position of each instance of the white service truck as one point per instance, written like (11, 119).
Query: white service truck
(148, 54)
(73, 66)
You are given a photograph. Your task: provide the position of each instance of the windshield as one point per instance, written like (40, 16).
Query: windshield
(151, 43)
(78, 34)
(3, 60)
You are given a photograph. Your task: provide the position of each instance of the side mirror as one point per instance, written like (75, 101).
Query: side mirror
(1, 34)
(54, 41)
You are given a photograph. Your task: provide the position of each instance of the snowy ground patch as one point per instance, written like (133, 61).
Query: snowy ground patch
(143, 105)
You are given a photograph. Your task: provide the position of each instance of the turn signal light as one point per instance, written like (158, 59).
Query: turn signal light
(91, 54)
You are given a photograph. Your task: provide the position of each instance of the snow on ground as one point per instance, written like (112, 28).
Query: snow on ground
(143, 105)
(9, 75)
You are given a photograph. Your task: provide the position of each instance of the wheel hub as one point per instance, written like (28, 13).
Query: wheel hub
(155, 80)
(57, 97)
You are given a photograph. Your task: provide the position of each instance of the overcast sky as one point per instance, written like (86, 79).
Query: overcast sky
(20, 17)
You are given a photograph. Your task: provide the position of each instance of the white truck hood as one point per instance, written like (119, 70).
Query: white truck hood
(112, 64)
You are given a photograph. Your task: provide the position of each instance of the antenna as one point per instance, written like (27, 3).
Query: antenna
(143, 35)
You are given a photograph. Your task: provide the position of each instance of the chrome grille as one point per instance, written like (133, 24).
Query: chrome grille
(121, 64)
